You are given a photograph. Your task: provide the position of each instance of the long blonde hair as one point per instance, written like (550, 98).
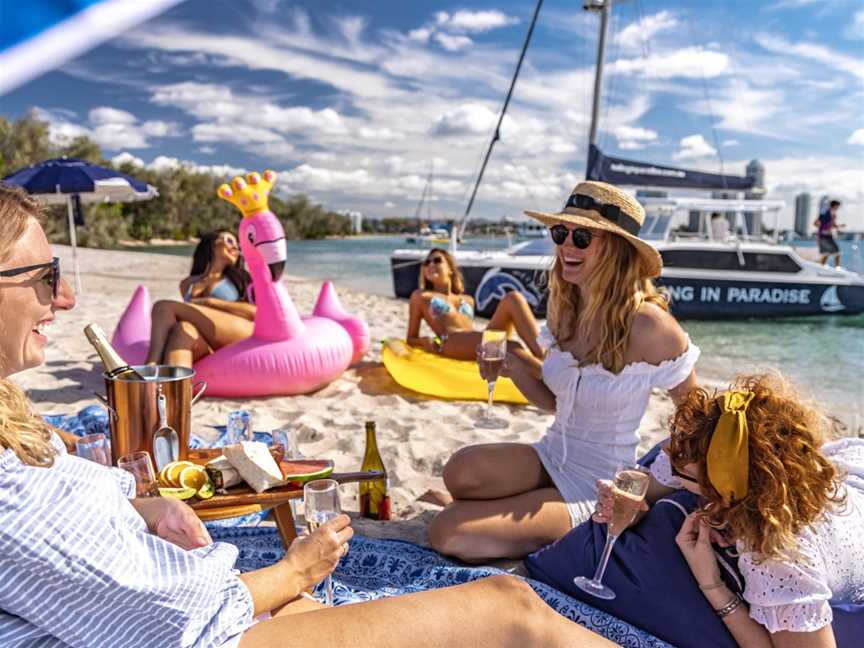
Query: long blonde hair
(21, 430)
(617, 287)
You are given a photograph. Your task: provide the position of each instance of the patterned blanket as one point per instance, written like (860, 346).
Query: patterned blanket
(378, 568)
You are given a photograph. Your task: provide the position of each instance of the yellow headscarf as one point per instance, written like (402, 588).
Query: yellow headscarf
(728, 459)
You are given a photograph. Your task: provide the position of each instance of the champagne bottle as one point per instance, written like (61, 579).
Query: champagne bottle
(374, 495)
(115, 366)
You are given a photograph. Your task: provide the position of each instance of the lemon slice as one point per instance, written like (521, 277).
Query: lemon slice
(207, 490)
(178, 493)
(173, 470)
(194, 477)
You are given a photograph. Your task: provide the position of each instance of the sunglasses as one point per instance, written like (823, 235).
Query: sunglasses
(681, 475)
(581, 236)
(50, 278)
(435, 260)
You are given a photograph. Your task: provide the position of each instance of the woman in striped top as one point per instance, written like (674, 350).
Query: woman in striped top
(86, 564)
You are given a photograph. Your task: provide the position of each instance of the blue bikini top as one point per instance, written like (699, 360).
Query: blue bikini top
(440, 306)
(225, 290)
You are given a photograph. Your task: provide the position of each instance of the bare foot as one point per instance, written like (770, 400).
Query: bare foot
(437, 497)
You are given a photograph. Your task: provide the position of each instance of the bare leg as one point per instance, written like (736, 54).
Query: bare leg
(185, 345)
(514, 312)
(505, 504)
(217, 327)
(498, 611)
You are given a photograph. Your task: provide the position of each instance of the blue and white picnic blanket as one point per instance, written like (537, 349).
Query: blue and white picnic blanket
(375, 568)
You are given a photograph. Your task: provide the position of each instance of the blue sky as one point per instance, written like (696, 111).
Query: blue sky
(353, 103)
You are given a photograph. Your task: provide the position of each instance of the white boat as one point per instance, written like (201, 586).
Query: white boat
(739, 277)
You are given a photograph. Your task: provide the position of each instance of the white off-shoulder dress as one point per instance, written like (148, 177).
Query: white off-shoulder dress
(796, 594)
(597, 417)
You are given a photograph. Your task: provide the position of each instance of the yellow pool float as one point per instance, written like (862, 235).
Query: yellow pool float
(435, 375)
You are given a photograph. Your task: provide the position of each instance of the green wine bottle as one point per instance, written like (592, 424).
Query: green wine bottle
(374, 495)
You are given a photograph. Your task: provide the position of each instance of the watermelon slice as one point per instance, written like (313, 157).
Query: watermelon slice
(303, 470)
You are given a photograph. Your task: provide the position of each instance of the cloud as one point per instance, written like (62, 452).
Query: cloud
(690, 62)
(127, 158)
(468, 118)
(857, 137)
(692, 147)
(633, 137)
(166, 163)
(730, 142)
(453, 43)
(420, 35)
(855, 30)
(111, 128)
(636, 34)
(474, 22)
(380, 134)
(107, 115)
(819, 53)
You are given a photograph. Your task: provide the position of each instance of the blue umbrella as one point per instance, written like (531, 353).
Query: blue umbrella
(67, 180)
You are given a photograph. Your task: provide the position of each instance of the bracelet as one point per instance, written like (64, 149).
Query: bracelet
(730, 607)
(711, 586)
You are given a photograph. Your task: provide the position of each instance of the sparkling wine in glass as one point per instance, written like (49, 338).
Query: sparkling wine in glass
(321, 501)
(629, 490)
(493, 350)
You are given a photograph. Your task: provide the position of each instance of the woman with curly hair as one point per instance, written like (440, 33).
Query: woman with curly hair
(609, 341)
(442, 303)
(792, 505)
(85, 562)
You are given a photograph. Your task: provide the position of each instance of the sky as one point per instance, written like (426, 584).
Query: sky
(357, 103)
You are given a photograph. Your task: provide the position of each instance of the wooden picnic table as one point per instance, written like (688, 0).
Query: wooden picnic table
(242, 500)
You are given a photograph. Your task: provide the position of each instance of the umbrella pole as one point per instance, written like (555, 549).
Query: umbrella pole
(74, 241)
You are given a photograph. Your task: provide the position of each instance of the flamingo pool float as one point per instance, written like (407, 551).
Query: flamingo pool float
(286, 354)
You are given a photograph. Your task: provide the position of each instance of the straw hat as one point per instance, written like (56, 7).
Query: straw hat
(603, 206)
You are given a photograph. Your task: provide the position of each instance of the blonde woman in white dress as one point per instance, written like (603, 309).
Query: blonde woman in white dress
(610, 340)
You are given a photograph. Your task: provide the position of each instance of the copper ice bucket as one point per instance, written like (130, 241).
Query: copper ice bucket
(133, 407)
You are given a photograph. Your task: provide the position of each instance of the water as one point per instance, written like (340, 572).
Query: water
(824, 356)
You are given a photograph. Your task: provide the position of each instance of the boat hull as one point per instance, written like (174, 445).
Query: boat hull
(692, 298)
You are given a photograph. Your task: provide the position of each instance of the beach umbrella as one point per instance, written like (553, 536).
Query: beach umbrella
(38, 35)
(70, 181)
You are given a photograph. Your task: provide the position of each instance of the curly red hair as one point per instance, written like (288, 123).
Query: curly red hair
(791, 484)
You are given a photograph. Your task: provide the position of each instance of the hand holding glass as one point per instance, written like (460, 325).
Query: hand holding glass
(493, 350)
(94, 447)
(629, 490)
(141, 466)
(321, 501)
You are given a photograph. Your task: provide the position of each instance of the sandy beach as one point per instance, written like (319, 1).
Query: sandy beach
(416, 434)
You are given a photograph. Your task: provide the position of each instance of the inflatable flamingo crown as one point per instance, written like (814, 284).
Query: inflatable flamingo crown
(249, 198)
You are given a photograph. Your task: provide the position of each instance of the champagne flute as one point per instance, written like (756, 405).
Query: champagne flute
(629, 490)
(141, 466)
(321, 501)
(493, 350)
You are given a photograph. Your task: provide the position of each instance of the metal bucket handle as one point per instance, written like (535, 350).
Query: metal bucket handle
(104, 402)
(200, 393)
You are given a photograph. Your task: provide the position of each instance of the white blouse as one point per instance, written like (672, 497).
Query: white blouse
(794, 594)
(597, 417)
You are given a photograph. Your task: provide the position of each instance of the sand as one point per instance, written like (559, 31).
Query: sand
(416, 434)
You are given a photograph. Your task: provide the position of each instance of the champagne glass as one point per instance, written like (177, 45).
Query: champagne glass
(94, 447)
(141, 466)
(321, 501)
(629, 490)
(493, 349)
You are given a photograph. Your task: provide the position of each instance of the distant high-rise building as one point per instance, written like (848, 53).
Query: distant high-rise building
(756, 170)
(803, 214)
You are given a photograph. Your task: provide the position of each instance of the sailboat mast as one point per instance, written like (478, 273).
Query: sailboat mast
(605, 7)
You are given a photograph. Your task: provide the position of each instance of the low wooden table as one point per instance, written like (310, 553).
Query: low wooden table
(242, 500)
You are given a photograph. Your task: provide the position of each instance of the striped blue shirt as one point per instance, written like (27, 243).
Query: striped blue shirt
(79, 568)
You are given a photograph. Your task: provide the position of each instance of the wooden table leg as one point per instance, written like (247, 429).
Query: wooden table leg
(284, 517)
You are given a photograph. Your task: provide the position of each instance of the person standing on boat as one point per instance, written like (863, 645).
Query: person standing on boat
(719, 227)
(827, 223)
(609, 341)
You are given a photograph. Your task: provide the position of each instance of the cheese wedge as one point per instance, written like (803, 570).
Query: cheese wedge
(256, 465)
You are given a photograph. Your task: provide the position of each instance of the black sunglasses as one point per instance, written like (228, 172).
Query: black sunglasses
(681, 475)
(435, 260)
(581, 236)
(51, 278)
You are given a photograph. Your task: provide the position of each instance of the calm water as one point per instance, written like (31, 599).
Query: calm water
(823, 355)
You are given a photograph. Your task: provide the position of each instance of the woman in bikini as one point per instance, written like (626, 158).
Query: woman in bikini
(215, 310)
(610, 341)
(441, 302)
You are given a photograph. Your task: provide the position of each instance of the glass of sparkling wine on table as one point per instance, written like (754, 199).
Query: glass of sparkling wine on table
(321, 501)
(629, 490)
(493, 350)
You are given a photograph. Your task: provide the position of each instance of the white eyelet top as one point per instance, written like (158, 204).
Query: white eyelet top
(597, 417)
(794, 594)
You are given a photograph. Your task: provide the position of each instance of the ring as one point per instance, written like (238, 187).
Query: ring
(345, 549)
